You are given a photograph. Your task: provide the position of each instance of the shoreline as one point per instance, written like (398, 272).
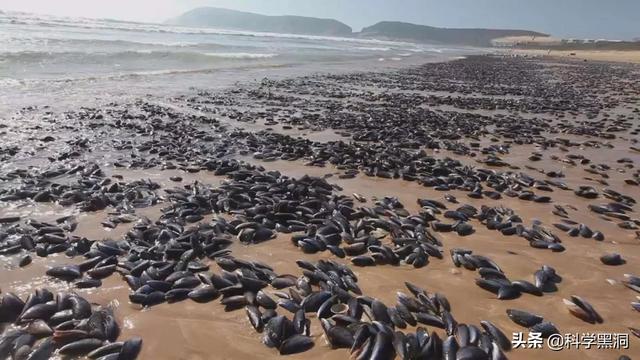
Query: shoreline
(65, 93)
(419, 132)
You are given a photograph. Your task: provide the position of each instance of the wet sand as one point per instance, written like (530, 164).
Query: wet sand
(187, 330)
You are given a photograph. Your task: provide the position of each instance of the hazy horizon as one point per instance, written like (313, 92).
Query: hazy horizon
(562, 18)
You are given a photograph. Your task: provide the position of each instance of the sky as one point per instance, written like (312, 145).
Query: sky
(612, 19)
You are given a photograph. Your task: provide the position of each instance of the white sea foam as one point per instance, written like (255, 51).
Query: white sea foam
(374, 48)
(9, 82)
(241, 55)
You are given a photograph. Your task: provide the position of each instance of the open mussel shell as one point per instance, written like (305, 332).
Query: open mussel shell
(339, 309)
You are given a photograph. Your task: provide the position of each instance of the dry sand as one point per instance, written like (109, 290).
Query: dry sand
(545, 48)
(579, 55)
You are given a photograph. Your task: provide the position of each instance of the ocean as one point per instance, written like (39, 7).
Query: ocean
(46, 60)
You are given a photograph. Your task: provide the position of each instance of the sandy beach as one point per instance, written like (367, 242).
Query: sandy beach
(554, 48)
(581, 55)
(550, 143)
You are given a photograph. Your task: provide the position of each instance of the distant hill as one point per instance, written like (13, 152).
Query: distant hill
(429, 34)
(238, 20)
